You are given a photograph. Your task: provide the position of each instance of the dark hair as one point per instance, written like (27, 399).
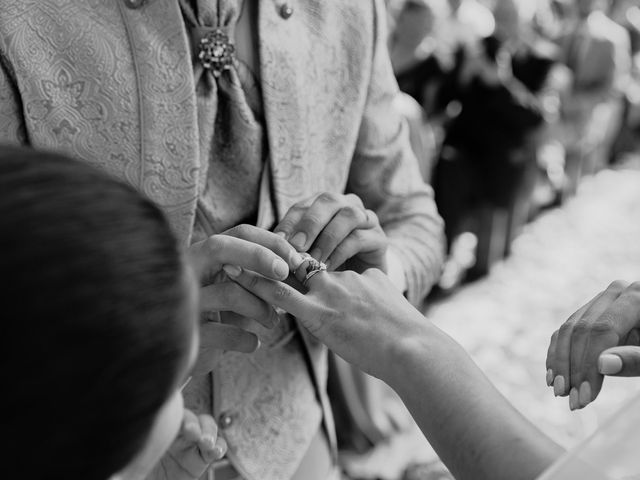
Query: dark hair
(93, 291)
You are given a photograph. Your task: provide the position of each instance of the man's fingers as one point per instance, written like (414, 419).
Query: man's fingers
(551, 358)
(562, 358)
(620, 362)
(593, 332)
(358, 242)
(190, 431)
(231, 297)
(344, 222)
(208, 441)
(224, 337)
(209, 256)
(276, 243)
(309, 225)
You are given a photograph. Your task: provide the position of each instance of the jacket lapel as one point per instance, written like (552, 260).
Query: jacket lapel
(168, 116)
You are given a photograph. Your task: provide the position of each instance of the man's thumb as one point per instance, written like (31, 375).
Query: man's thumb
(620, 362)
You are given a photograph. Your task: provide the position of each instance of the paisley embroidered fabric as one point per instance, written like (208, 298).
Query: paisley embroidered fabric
(269, 395)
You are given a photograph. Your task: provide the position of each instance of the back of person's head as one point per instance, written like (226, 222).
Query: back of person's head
(92, 290)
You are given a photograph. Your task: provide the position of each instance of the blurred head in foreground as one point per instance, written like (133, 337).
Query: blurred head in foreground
(99, 322)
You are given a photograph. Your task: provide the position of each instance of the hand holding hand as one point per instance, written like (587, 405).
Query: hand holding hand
(337, 230)
(361, 317)
(601, 338)
(253, 249)
(193, 451)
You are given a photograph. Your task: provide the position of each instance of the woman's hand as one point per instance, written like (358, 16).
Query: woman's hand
(361, 317)
(337, 230)
(601, 338)
(193, 451)
(255, 250)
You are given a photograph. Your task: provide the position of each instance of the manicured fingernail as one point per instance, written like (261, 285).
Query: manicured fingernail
(232, 270)
(549, 377)
(298, 240)
(209, 442)
(258, 345)
(609, 364)
(558, 386)
(280, 268)
(585, 394)
(574, 399)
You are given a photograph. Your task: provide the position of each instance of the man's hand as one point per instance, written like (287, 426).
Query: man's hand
(337, 230)
(250, 248)
(193, 451)
(601, 338)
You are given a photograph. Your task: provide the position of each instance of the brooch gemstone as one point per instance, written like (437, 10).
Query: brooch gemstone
(216, 52)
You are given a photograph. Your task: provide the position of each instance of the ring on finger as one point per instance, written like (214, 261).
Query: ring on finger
(313, 267)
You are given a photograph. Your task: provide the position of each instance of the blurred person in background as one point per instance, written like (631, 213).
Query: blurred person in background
(597, 51)
(485, 171)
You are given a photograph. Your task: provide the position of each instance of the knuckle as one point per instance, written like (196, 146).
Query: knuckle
(617, 286)
(243, 230)
(582, 327)
(634, 288)
(565, 329)
(354, 199)
(351, 213)
(281, 293)
(310, 220)
(601, 327)
(256, 251)
(215, 243)
(252, 281)
(326, 197)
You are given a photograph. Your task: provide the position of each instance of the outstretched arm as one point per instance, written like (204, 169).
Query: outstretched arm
(474, 429)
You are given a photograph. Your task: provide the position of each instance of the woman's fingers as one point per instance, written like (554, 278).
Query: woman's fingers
(275, 293)
(231, 297)
(620, 361)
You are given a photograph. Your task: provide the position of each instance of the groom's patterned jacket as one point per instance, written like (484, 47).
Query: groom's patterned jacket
(111, 82)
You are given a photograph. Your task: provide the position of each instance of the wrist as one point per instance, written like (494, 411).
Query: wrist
(403, 355)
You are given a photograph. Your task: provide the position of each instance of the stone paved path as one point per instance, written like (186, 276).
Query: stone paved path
(505, 321)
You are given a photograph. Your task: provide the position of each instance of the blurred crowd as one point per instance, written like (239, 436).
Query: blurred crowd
(510, 103)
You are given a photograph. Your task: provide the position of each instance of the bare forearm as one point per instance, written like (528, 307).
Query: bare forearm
(474, 429)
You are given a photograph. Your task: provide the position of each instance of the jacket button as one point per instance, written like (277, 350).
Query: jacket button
(225, 421)
(134, 4)
(286, 11)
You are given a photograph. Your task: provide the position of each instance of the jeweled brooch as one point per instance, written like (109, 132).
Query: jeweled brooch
(216, 52)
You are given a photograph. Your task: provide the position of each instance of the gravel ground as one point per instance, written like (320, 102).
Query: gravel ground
(505, 321)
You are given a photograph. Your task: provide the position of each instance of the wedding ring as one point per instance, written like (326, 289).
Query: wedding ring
(313, 267)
